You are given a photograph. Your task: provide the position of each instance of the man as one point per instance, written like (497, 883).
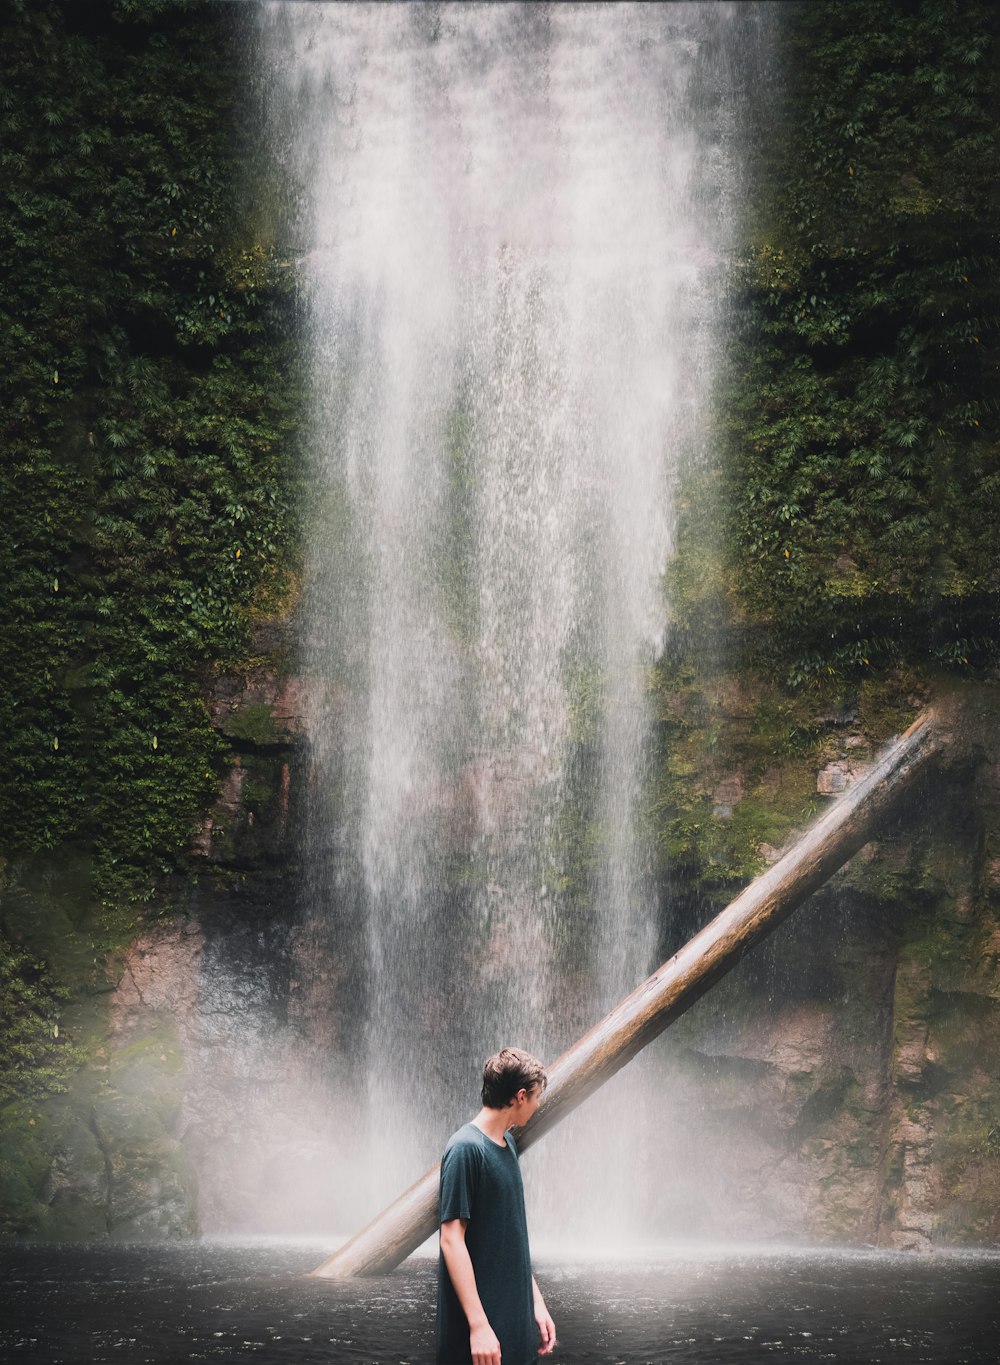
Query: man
(490, 1310)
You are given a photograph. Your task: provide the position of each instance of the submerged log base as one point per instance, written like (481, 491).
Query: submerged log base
(673, 988)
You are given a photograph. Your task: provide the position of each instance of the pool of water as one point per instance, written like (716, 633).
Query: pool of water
(218, 1302)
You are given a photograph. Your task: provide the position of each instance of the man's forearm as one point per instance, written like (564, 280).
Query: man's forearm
(463, 1279)
(483, 1343)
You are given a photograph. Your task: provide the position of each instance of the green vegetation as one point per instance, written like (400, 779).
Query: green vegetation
(147, 423)
(253, 723)
(856, 475)
(860, 474)
(867, 481)
(33, 1057)
(150, 396)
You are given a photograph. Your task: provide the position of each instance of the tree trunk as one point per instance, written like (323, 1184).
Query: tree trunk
(672, 989)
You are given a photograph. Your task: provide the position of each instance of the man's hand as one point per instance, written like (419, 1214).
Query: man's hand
(546, 1331)
(485, 1346)
(546, 1327)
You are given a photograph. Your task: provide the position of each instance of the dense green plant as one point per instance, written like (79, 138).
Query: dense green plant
(146, 421)
(863, 457)
(33, 1057)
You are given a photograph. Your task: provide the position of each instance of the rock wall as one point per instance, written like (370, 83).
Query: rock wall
(843, 1085)
(168, 999)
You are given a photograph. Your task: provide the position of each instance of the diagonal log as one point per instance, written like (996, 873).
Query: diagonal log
(673, 988)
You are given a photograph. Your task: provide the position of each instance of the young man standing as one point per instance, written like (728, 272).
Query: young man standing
(490, 1310)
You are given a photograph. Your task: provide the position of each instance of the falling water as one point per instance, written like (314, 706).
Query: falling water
(512, 229)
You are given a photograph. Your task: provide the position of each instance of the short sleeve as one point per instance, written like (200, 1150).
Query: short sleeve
(460, 1169)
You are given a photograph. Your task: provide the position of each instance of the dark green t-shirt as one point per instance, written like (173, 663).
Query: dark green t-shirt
(481, 1182)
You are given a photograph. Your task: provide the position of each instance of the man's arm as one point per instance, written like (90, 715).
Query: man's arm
(546, 1327)
(482, 1338)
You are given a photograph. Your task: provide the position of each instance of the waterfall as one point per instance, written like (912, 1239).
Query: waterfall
(512, 224)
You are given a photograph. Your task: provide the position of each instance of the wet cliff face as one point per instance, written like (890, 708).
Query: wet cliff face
(153, 1005)
(174, 1059)
(841, 1085)
(844, 1088)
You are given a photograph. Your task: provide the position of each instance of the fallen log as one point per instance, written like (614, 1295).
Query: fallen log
(672, 989)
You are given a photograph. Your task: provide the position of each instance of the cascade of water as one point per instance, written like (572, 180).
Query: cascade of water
(512, 220)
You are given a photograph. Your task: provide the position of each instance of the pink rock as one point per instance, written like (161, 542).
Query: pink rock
(839, 775)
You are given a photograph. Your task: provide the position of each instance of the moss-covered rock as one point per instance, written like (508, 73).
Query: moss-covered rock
(149, 1194)
(77, 1188)
(27, 1144)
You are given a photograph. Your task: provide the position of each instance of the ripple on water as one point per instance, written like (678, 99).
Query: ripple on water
(165, 1306)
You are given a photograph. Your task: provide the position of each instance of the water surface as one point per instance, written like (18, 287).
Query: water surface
(219, 1303)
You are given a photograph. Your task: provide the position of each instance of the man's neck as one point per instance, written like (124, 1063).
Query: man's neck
(493, 1122)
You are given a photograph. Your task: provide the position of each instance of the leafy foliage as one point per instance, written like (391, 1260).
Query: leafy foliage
(33, 1057)
(146, 420)
(863, 445)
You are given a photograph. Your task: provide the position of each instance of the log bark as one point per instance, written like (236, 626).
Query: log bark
(672, 989)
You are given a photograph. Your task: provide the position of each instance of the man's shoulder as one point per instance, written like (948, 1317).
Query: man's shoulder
(471, 1145)
(466, 1139)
